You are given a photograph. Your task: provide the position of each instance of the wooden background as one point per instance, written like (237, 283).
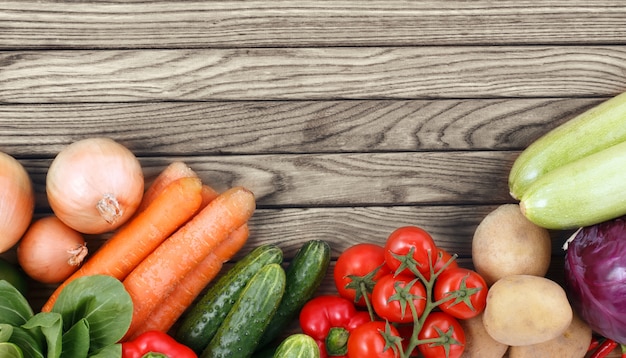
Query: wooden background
(347, 119)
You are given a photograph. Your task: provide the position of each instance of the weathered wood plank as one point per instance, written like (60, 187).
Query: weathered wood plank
(452, 227)
(201, 128)
(311, 73)
(350, 179)
(175, 24)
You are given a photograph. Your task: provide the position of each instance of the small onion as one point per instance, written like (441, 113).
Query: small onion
(50, 251)
(17, 201)
(94, 185)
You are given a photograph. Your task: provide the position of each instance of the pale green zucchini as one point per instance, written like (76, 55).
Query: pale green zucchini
(582, 193)
(592, 131)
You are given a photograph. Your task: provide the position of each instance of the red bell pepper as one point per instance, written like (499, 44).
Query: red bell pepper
(329, 320)
(156, 344)
(602, 348)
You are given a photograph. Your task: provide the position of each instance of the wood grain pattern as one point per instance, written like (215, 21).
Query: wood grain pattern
(347, 119)
(288, 23)
(304, 180)
(311, 73)
(296, 127)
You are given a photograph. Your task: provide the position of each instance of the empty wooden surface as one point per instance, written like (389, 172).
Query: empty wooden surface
(346, 118)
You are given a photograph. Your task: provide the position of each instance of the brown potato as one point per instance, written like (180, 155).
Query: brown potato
(478, 343)
(524, 309)
(573, 343)
(506, 243)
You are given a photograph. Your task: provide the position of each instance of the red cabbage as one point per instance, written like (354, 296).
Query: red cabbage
(595, 277)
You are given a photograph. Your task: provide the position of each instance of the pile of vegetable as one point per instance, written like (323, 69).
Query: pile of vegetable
(573, 178)
(167, 243)
(394, 301)
(254, 302)
(154, 287)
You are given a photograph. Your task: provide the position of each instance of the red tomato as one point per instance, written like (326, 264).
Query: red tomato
(405, 238)
(468, 288)
(448, 329)
(359, 263)
(368, 341)
(393, 296)
(441, 258)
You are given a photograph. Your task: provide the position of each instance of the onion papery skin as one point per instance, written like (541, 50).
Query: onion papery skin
(17, 201)
(51, 251)
(87, 172)
(595, 277)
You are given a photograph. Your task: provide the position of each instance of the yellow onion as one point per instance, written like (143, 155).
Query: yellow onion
(51, 251)
(17, 201)
(94, 185)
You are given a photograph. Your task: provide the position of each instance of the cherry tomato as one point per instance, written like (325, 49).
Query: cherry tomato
(468, 288)
(368, 341)
(442, 325)
(360, 265)
(441, 258)
(393, 296)
(404, 239)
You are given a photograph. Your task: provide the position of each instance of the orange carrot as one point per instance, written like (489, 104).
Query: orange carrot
(208, 194)
(119, 255)
(155, 277)
(167, 313)
(171, 173)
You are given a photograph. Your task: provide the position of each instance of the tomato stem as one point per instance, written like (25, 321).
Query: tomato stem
(368, 303)
(418, 321)
(363, 286)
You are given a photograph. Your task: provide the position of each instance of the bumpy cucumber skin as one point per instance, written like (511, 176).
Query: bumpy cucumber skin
(205, 317)
(241, 330)
(305, 273)
(590, 132)
(588, 191)
(298, 345)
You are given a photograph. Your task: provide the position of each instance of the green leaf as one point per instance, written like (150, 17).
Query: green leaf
(112, 351)
(6, 330)
(10, 350)
(14, 308)
(50, 326)
(32, 346)
(76, 340)
(105, 304)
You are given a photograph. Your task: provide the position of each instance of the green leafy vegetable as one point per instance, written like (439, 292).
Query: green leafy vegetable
(32, 346)
(14, 308)
(103, 302)
(6, 330)
(90, 316)
(112, 351)
(76, 340)
(10, 350)
(48, 325)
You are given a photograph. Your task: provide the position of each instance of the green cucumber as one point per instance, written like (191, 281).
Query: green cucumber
(594, 130)
(241, 330)
(204, 318)
(298, 345)
(304, 276)
(582, 193)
